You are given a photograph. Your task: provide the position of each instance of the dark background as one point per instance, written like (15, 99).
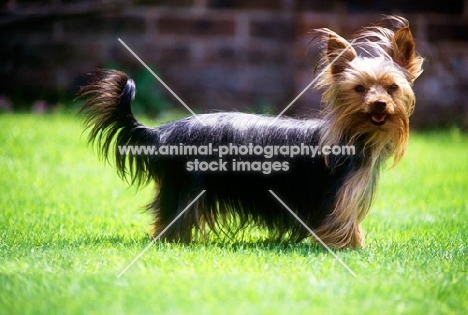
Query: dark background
(217, 55)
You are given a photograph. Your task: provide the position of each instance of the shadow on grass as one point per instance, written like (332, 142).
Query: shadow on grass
(304, 248)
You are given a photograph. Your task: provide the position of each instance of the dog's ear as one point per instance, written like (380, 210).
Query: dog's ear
(339, 53)
(404, 48)
(404, 52)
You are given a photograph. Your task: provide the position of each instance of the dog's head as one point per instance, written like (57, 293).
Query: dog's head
(368, 83)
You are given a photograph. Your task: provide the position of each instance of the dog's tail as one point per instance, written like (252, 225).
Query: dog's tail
(113, 128)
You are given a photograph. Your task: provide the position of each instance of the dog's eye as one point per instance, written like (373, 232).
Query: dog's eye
(359, 88)
(392, 88)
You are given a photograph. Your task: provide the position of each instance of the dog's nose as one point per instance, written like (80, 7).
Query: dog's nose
(380, 106)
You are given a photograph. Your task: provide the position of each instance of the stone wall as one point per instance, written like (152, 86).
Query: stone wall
(221, 55)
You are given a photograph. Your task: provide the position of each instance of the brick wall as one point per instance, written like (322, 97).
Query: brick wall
(221, 55)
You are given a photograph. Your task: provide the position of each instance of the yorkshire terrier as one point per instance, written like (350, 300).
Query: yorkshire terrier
(367, 101)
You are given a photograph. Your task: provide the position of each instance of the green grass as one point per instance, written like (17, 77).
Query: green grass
(69, 225)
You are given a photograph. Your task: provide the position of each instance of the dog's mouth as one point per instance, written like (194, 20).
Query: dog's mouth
(378, 119)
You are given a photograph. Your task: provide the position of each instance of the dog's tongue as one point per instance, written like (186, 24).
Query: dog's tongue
(378, 118)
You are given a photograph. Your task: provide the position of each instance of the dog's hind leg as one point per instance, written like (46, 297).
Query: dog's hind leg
(166, 208)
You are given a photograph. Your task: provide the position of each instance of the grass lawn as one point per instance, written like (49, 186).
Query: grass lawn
(69, 226)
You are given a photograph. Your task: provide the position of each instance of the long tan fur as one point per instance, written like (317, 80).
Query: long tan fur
(351, 86)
